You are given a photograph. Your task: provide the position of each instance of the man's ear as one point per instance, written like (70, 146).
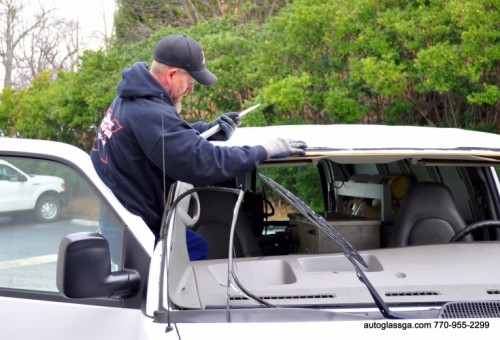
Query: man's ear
(169, 74)
(166, 77)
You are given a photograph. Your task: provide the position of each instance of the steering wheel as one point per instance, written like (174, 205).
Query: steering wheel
(189, 211)
(474, 226)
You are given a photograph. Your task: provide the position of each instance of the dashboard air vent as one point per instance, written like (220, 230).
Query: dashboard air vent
(412, 293)
(287, 297)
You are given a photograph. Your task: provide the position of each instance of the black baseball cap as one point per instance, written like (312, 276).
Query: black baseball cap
(181, 51)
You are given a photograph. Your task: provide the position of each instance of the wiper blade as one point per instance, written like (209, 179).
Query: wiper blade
(314, 218)
(350, 253)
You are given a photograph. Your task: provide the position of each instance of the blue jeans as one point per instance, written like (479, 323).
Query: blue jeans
(197, 246)
(114, 232)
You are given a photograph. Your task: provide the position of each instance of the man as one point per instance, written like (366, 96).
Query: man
(143, 145)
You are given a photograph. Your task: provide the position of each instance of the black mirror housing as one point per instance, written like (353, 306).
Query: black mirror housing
(84, 269)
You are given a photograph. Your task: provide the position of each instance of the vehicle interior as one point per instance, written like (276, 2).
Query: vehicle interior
(426, 232)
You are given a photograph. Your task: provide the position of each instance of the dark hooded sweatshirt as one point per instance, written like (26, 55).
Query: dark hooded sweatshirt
(142, 135)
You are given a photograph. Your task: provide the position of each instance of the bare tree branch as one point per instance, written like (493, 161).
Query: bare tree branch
(32, 44)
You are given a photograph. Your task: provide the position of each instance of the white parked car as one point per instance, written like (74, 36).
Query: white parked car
(377, 227)
(42, 194)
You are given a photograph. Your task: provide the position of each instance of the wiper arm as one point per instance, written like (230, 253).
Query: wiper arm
(350, 253)
(381, 305)
(314, 218)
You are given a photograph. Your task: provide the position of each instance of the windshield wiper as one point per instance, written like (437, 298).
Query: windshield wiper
(349, 252)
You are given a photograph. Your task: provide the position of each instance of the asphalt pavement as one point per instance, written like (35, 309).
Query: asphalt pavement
(28, 250)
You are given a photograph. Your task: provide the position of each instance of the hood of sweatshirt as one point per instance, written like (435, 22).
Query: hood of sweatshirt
(137, 82)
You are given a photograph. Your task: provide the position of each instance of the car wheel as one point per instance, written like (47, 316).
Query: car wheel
(47, 209)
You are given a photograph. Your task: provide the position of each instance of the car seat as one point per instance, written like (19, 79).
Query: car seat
(214, 225)
(428, 215)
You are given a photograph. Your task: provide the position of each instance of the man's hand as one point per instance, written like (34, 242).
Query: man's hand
(228, 123)
(284, 147)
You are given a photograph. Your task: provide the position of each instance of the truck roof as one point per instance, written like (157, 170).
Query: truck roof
(351, 143)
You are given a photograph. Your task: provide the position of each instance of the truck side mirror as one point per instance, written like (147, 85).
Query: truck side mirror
(18, 177)
(21, 178)
(84, 269)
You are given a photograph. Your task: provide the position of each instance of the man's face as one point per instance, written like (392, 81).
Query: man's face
(181, 85)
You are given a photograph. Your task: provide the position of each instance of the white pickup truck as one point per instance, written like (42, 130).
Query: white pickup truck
(44, 195)
(403, 241)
